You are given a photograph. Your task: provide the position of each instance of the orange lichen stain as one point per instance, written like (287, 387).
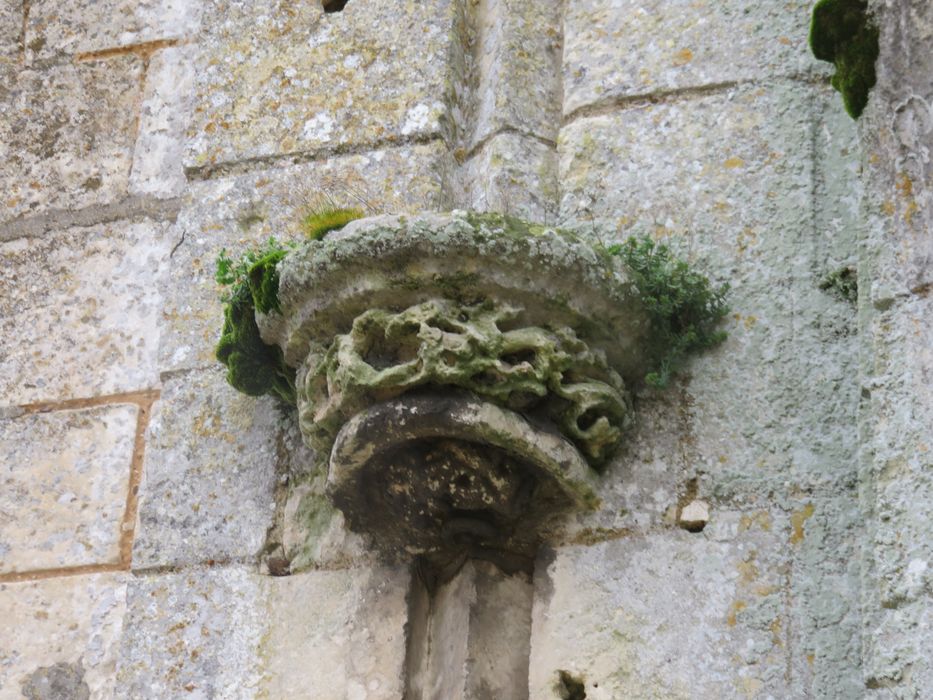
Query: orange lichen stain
(904, 185)
(13, 201)
(683, 57)
(888, 207)
(760, 519)
(766, 590)
(750, 322)
(734, 162)
(910, 211)
(723, 459)
(797, 520)
(748, 571)
(206, 425)
(776, 631)
(736, 607)
(811, 658)
(784, 40)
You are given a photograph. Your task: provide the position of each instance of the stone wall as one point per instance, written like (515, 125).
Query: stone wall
(141, 498)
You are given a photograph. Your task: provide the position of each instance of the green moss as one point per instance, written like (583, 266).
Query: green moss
(318, 222)
(683, 308)
(843, 283)
(253, 367)
(252, 283)
(843, 33)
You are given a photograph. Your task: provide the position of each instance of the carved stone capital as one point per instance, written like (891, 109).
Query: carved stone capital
(461, 375)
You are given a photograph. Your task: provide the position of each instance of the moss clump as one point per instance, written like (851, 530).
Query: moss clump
(843, 283)
(253, 367)
(320, 221)
(252, 281)
(683, 308)
(843, 33)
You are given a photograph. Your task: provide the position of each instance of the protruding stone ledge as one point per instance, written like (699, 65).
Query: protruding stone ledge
(461, 375)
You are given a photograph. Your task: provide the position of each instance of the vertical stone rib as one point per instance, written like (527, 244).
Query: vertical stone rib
(469, 639)
(507, 107)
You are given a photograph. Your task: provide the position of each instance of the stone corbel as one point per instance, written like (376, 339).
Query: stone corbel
(463, 376)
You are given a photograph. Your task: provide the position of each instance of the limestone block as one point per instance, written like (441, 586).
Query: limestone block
(157, 158)
(67, 134)
(65, 478)
(242, 211)
(825, 537)
(81, 27)
(514, 68)
(336, 634)
(727, 180)
(81, 308)
(668, 615)
(900, 410)
(621, 48)
(209, 476)
(839, 189)
(469, 638)
(511, 174)
(276, 77)
(230, 633)
(61, 634)
(192, 634)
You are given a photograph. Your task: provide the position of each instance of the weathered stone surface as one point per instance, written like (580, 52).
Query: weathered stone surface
(511, 174)
(243, 211)
(727, 179)
(277, 77)
(157, 158)
(668, 615)
(11, 28)
(441, 343)
(82, 305)
(895, 311)
(60, 636)
(336, 634)
(312, 532)
(193, 634)
(64, 478)
(899, 411)
(233, 634)
(82, 27)
(558, 277)
(621, 48)
(469, 639)
(210, 472)
(511, 76)
(67, 134)
(825, 535)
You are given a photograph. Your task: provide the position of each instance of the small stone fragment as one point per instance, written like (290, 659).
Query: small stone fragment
(694, 516)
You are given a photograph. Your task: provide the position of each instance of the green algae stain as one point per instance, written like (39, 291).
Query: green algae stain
(843, 33)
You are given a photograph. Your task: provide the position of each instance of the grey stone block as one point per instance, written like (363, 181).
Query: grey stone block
(61, 633)
(65, 478)
(210, 473)
(67, 132)
(83, 306)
